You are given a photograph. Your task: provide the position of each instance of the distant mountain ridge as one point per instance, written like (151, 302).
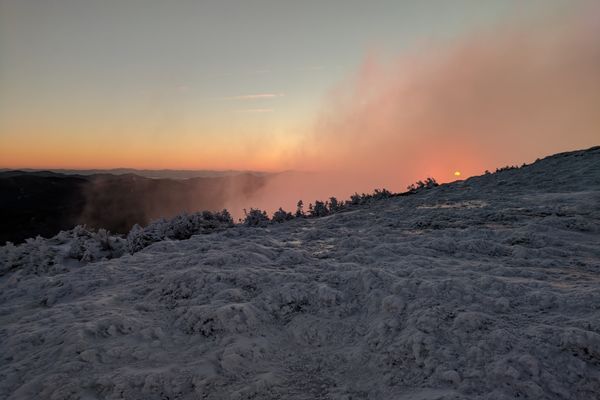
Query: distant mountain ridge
(147, 173)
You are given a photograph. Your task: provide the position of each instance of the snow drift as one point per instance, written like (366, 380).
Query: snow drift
(480, 289)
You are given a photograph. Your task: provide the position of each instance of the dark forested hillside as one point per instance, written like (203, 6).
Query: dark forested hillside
(43, 203)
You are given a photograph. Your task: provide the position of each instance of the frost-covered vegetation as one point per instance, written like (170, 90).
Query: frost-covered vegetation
(281, 216)
(428, 183)
(480, 289)
(260, 218)
(42, 256)
(86, 245)
(331, 206)
(255, 217)
(181, 227)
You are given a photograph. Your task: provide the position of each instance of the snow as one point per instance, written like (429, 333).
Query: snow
(487, 288)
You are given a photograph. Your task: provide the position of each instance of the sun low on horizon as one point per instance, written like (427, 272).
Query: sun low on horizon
(272, 86)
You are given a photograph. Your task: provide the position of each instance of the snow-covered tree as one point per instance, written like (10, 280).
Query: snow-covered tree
(421, 185)
(319, 209)
(255, 217)
(334, 205)
(379, 194)
(181, 227)
(225, 217)
(281, 216)
(139, 238)
(355, 199)
(300, 209)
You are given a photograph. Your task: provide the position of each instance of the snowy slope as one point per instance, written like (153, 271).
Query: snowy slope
(482, 289)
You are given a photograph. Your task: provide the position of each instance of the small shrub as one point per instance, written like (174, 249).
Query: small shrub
(255, 217)
(355, 199)
(35, 256)
(507, 168)
(103, 239)
(281, 216)
(381, 194)
(422, 185)
(139, 238)
(180, 227)
(334, 205)
(300, 209)
(319, 209)
(88, 246)
(224, 217)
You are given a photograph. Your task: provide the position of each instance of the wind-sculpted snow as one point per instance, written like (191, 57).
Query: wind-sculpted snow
(482, 289)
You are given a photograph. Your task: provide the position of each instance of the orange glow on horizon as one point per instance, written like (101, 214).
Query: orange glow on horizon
(388, 123)
(41, 149)
(391, 172)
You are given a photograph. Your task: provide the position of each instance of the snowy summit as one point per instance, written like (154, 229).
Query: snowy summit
(487, 288)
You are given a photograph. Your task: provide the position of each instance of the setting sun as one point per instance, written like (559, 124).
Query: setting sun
(456, 173)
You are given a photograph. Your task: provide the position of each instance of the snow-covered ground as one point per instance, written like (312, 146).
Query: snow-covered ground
(482, 289)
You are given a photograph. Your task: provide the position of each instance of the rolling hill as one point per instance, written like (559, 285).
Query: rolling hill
(487, 288)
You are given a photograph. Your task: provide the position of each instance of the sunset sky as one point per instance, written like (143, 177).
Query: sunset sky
(274, 85)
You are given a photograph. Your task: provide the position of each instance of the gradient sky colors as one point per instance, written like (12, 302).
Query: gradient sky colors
(271, 85)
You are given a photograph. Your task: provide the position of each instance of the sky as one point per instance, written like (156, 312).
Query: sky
(375, 87)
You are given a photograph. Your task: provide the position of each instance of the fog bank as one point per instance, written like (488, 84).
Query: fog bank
(505, 95)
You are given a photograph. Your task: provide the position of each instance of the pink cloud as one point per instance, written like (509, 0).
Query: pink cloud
(502, 96)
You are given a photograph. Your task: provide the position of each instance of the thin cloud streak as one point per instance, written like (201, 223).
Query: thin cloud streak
(255, 110)
(256, 96)
(240, 73)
